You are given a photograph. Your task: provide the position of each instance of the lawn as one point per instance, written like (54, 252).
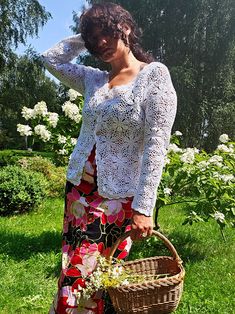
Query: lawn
(30, 260)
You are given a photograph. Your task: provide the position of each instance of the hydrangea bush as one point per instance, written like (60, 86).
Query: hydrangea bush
(204, 182)
(59, 132)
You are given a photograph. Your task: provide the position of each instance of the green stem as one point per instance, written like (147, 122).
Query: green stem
(223, 235)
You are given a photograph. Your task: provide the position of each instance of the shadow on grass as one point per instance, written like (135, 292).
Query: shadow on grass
(21, 247)
(186, 246)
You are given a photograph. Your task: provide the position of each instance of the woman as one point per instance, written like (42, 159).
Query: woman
(116, 166)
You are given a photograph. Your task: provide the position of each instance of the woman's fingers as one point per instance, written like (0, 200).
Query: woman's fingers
(142, 226)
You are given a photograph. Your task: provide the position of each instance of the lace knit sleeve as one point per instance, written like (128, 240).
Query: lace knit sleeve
(161, 102)
(57, 61)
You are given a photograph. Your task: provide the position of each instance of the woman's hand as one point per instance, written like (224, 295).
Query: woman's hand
(142, 226)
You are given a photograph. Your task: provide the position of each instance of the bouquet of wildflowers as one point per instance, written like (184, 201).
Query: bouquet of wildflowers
(111, 274)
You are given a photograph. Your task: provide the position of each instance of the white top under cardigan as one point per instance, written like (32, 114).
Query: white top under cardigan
(130, 125)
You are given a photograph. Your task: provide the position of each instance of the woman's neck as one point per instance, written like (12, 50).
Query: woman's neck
(125, 63)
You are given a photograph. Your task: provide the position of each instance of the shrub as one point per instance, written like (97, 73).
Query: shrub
(11, 157)
(7, 157)
(20, 190)
(54, 175)
(57, 182)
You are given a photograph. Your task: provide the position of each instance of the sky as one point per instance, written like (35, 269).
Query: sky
(57, 27)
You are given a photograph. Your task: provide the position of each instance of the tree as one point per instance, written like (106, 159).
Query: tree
(19, 19)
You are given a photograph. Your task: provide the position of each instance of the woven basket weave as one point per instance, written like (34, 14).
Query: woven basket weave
(152, 297)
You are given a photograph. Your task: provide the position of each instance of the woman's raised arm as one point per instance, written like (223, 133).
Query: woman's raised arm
(58, 59)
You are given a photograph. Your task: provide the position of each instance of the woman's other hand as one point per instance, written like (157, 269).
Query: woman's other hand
(142, 226)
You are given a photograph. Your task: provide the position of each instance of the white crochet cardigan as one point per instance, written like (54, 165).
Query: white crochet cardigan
(130, 125)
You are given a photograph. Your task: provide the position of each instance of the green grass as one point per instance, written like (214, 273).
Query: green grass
(30, 261)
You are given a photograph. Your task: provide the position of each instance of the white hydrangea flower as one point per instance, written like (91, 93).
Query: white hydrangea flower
(73, 94)
(166, 160)
(178, 133)
(191, 150)
(219, 216)
(24, 130)
(225, 149)
(27, 113)
(202, 165)
(188, 156)
(73, 141)
(167, 191)
(62, 139)
(41, 131)
(53, 118)
(227, 177)
(71, 111)
(223, 138)
(216, 160)
(40, 109)
(174, 148)
(77, 118)
(62, 151)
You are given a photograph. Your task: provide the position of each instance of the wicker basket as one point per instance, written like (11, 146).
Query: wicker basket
(157, 296)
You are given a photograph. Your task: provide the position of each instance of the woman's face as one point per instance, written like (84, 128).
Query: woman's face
(106, 47)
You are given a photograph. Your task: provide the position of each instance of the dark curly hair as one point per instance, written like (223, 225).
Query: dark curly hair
(110, 18)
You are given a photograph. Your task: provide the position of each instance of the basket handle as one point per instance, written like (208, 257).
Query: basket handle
(167, 243)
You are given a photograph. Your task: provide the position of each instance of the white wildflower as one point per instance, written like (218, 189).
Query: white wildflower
(62, 151)
(27, 113)
(62, 139)
(178, 133)
(73, 94)
(167, 191)
(73, 141)
(224, 138)
(53, 118)
(41, 131)
(24, 130)
(117, 271)
(174, 148)
(219, 216)
(71, 111)
(40, 109)
(188, 156)
(125, 282)
(225, 149)
(78, 295)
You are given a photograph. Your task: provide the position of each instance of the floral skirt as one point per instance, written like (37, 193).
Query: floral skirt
(91, 225)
